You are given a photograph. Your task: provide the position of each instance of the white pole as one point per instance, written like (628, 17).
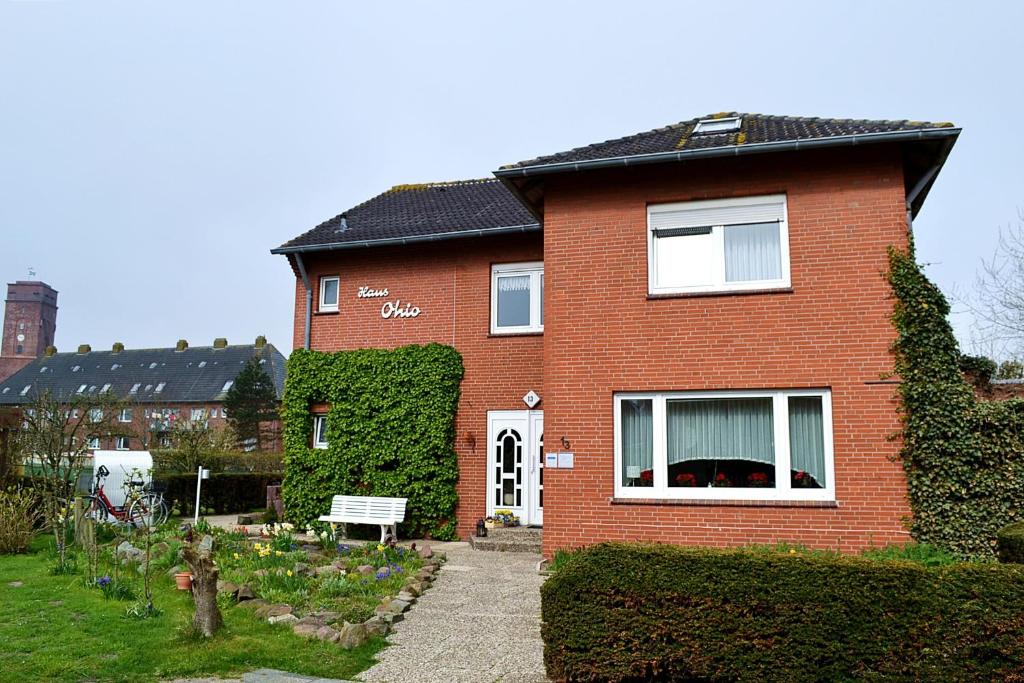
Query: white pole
(199, 486)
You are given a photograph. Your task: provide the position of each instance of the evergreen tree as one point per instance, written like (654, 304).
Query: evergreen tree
(251, 402)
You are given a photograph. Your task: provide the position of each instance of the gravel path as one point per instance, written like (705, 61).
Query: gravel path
(479, 623)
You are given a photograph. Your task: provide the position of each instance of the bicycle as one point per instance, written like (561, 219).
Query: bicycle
(147, 506)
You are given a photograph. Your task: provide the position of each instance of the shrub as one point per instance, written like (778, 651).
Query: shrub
(963, 457)
(622, 612)
(1011, 543)
(173, 461)
(223, 493)
(19, 515)
(390, 429)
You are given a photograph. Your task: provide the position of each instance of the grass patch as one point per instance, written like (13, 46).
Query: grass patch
(57, 629)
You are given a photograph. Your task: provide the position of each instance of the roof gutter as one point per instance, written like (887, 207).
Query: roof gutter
(309, 300)
(432, 237)
(735, 150)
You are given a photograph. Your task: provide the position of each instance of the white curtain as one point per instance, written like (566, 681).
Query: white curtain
(807, 437)
(752, 252)
(637, 438)
(515, 283)
(721, 429)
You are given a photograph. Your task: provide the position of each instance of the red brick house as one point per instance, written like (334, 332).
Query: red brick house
(699, 311)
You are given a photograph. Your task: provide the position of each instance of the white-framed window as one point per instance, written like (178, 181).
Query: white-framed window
(739, 445)
(725, 125)
(329, 293)
(95, 415)
(718, 245)
(94, 443)
(125, 415)
(517, 298)
(121, 443)
(197, 414)
(320, 431)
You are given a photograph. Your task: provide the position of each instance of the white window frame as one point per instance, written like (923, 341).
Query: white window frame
(320, 432)
(121, 443)
(716, 126)
(125, 415)
(533, 269)
(718, 240)
(93, 443)
(783, 490)
(325, 307)
(96, 415)
(197, 415)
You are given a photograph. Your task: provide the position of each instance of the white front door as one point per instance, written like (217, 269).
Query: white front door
(515, 470)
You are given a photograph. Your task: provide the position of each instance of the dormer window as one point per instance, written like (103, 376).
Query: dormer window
(726, 125)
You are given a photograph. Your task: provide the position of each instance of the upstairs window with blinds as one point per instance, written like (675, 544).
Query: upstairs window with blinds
(718, 245)
(517, 298)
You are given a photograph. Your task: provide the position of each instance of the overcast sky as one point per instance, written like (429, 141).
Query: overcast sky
(152, 153)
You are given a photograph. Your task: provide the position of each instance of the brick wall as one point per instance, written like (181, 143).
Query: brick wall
(450, 283)
(603, 335)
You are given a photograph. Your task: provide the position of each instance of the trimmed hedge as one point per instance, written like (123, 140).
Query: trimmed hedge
(390, 430)
(222, 493)
(626, 612)
(1011, 543)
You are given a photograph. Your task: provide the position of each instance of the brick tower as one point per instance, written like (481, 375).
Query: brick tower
(30, 321)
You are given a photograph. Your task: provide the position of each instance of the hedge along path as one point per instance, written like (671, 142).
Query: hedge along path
(964, 457)
(390, 430)
(632, 612)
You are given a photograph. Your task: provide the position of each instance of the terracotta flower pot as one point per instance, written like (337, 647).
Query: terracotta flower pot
(183, 580)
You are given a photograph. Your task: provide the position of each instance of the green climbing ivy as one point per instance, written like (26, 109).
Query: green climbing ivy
(964, 457)
(390, 430)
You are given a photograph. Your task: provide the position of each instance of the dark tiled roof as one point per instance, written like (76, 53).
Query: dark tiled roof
(755, 129)
(420, 212)
(197, 374)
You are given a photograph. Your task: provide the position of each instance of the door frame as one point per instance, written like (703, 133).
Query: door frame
(532, 423)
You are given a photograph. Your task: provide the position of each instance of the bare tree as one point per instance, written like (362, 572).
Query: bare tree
(55, 436)
(997, 300)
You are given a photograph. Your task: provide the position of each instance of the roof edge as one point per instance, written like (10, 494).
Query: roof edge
(432, 237)
(732, 150)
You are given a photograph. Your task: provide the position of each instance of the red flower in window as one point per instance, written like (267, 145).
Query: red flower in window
(721, 477)
(758, 479)
(647, 475)
(686, 479)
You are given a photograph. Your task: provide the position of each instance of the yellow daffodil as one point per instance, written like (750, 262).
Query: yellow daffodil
(278, 553)
(237, 556)
(289, 572)
(381, 547)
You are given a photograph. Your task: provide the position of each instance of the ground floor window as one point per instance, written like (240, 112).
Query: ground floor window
(320, 431)
(738, 445)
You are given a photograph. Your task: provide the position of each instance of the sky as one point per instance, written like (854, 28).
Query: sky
(151, 154)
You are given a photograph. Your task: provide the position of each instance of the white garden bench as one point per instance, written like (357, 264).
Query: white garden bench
(387, 512)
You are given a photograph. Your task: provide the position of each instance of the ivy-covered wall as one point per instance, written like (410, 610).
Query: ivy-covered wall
(390, 429)
(964, 457)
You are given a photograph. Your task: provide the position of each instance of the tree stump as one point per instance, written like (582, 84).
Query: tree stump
(199, 558)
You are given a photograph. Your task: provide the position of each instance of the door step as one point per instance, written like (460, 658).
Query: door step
(509, 540)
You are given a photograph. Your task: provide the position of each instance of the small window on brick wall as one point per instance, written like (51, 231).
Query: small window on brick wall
(320, 432)
(329, 294)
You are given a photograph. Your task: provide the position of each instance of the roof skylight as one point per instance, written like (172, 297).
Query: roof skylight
(25, 390)
(159, 387)
(227, 385)
(81, 389)
(105, 389)
(135, 388)
(725, 125)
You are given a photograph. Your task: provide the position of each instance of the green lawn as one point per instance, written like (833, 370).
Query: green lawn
(53, 628)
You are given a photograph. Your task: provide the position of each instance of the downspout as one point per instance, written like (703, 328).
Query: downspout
(309, 299)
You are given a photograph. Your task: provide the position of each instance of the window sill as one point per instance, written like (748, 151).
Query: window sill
(720, 502)
(722, 292)
(326, 312)
(539, 333)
